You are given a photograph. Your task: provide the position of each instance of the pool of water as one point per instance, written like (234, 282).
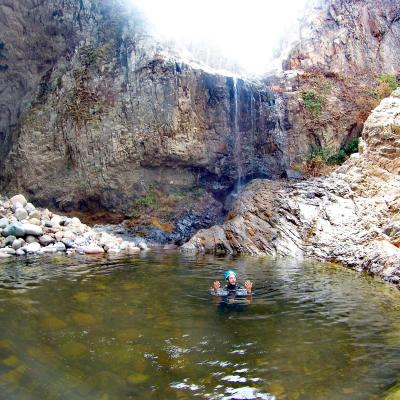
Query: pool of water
(145, 327)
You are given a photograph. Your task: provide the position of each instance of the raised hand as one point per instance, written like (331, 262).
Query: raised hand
(248, 286)
(216, 286)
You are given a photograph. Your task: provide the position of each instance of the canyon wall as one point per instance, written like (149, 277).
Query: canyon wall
(96, 114)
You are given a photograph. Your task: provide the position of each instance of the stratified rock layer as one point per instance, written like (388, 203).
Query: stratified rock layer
(351, 216)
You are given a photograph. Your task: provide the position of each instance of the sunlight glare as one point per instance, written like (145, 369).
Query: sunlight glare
(245, 32)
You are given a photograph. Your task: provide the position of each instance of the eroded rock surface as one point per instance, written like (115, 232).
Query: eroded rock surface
(351, 216)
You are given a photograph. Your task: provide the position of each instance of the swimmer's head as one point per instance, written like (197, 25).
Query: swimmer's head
(230, 277)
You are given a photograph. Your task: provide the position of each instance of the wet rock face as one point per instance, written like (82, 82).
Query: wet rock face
(351, 216)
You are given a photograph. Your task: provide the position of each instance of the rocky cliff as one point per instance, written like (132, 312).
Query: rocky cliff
(335, 74)
(112, 121)
(350, 216)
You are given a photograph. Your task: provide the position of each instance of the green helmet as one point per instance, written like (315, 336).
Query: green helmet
(228, 273)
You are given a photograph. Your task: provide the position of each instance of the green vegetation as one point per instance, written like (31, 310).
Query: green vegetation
(331, 157)
(178, 193)
(326, 85)
(144, 203)
(391, 80)
(386, 83)
(312, 101)
(322, 160)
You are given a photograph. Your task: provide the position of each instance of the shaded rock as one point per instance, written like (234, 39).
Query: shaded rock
(31, 239)
(9, 240)
(69, 243)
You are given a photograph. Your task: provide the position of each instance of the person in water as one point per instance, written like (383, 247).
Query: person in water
(231, 284)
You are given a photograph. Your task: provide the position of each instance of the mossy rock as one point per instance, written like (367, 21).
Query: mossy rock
(394, 393)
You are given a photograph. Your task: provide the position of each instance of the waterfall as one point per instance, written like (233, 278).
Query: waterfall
(237, 150)
(252, 133)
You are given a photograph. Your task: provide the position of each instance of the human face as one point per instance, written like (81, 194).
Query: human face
(231, 280)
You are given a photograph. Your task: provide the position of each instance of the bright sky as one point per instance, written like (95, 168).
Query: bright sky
(245, 31)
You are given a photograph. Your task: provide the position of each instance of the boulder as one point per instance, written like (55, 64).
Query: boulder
(16, 244)
(30, 207)
(31, 239)
(133, 249)
(68, 243)
(35, 214)
(45, 240)
(16, 206)
(8, 250)
(21, 213)
(59, 235)
(9, 240)
(55, 220)
(20, 252)
(3, 222)
(93, 249)
(32, 247)
(31, 229)
(54, 247)
(34, 221)
(15, 229)
(69, 235)
(142, 245)
(19, 198)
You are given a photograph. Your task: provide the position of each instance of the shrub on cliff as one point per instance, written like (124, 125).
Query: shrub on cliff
(386, 83)
(323, 160)
(312, 101)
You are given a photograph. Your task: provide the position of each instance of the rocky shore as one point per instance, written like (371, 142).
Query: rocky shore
(26, 229)
(351, 216)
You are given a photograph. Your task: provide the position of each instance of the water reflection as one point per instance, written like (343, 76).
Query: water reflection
(146, 327)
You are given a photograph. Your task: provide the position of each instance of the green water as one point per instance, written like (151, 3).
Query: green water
(145, 327)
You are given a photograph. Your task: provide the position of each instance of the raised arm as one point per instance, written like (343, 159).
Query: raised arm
(216, 286)
(248, 286)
